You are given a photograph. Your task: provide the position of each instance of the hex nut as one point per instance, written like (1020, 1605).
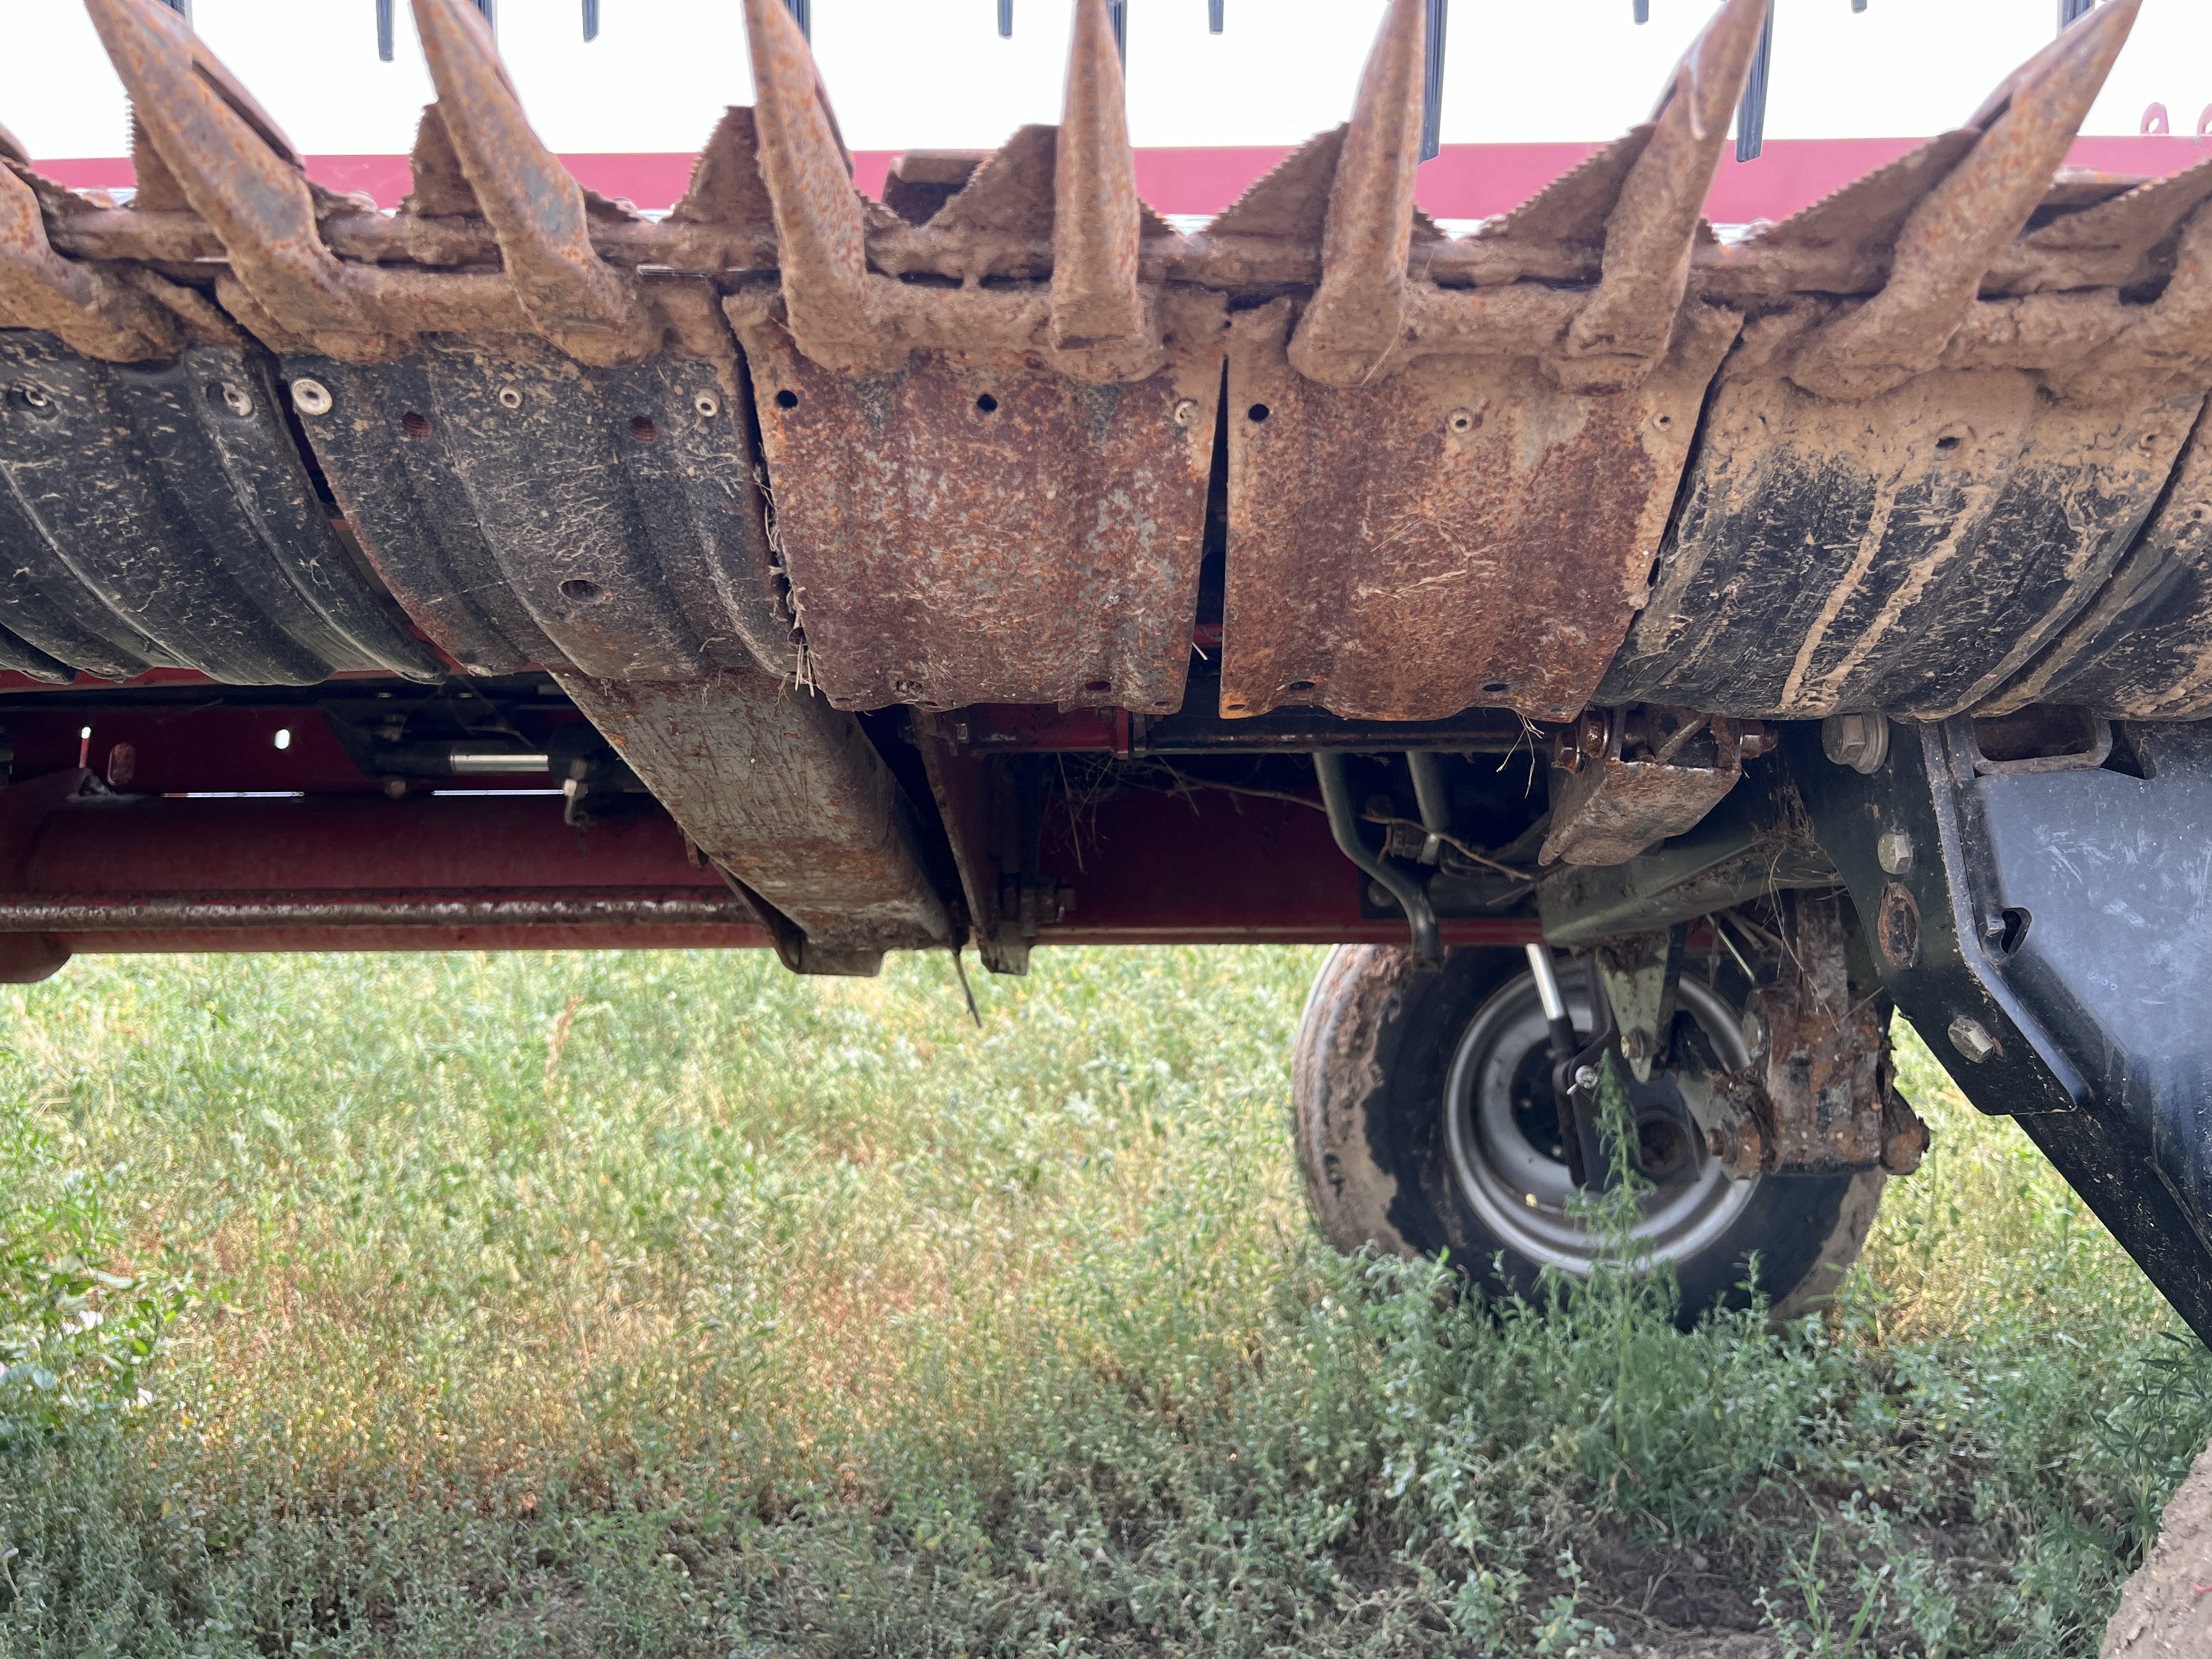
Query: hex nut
(1894, 851)
(311, 396)
(1755, 1032)
(1972, 1039)
(1858, 741)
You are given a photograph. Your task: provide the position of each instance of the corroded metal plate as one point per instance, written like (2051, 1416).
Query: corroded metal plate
(1463, 532)
(986, 530)
(1910, 552)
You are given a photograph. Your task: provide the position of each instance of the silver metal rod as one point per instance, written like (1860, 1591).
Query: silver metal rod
(1548, 981)
(495, 763)
(47, 913)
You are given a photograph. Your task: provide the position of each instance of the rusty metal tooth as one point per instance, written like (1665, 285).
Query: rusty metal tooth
(1358, 314)
(820, 226)
(1096, 219)
(1652, 229)
(535, 208)
(88, 309)
(240, 173)
(1966, 221)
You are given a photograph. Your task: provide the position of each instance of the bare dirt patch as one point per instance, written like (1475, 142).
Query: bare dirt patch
(2165, 1609)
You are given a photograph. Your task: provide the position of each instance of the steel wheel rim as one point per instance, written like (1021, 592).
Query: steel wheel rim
(1520, 1190)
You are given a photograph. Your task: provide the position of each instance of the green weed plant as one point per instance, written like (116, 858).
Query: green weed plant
(667, 1304)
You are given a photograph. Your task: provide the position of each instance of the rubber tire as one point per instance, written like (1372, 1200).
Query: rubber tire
(1367, 1081)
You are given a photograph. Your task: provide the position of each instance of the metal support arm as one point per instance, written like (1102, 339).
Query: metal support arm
(2050, 934)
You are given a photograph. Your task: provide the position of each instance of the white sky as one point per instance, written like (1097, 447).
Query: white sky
(933, 73)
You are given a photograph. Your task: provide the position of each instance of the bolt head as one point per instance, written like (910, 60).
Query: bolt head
(1637, 1043)
(1186, 411)
(1894, 851)
(1972, 1039)
(1585, 1076)
(1755, 1033)
(311, 396)
(1858, 741)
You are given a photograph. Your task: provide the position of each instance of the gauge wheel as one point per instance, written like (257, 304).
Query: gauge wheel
(1426, 1124)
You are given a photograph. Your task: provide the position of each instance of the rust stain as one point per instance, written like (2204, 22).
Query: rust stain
(980, 529)
(1463, 533)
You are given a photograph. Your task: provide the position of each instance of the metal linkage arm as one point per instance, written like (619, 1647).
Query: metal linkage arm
(1343, 826)
(2050, 933)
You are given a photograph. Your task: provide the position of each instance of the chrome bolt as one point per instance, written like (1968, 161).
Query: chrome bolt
(311, 396)
(1585, 1076)
(1972, 1038)
(1893, 850)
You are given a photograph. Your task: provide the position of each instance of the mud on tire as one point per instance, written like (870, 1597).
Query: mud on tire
(1421, 1115)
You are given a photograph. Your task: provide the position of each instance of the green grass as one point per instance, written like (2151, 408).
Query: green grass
(671, 1305)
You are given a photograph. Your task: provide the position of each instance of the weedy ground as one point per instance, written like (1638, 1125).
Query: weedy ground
(669, 1306)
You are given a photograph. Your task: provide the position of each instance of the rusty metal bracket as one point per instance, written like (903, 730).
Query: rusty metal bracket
(1633, 776)
(1820, 1095)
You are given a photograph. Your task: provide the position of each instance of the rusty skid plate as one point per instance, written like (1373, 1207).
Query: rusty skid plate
(1461, 533)
(787, 795)
(981, 528)
(1909, 551)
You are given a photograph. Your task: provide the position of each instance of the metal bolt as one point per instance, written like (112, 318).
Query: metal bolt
(1585, 1076)
(235, 399)
(1755, 1033)
(33, 397)
(311, 396)
(1858, 741)
(509, 397)
(1893, 850)
(1972, 1038)
(708, 404)
(1186, 411)
(1460, 421)
(1637, 1043)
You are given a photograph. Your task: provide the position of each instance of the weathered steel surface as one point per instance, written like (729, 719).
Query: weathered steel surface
(2143, 650)
(1909, 551)
(1442, 497)
(527, 508)
(160, 516)
(788, 796)
(1636, 776)
(1820, 1095)
(1462, 532)
(976, 530)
